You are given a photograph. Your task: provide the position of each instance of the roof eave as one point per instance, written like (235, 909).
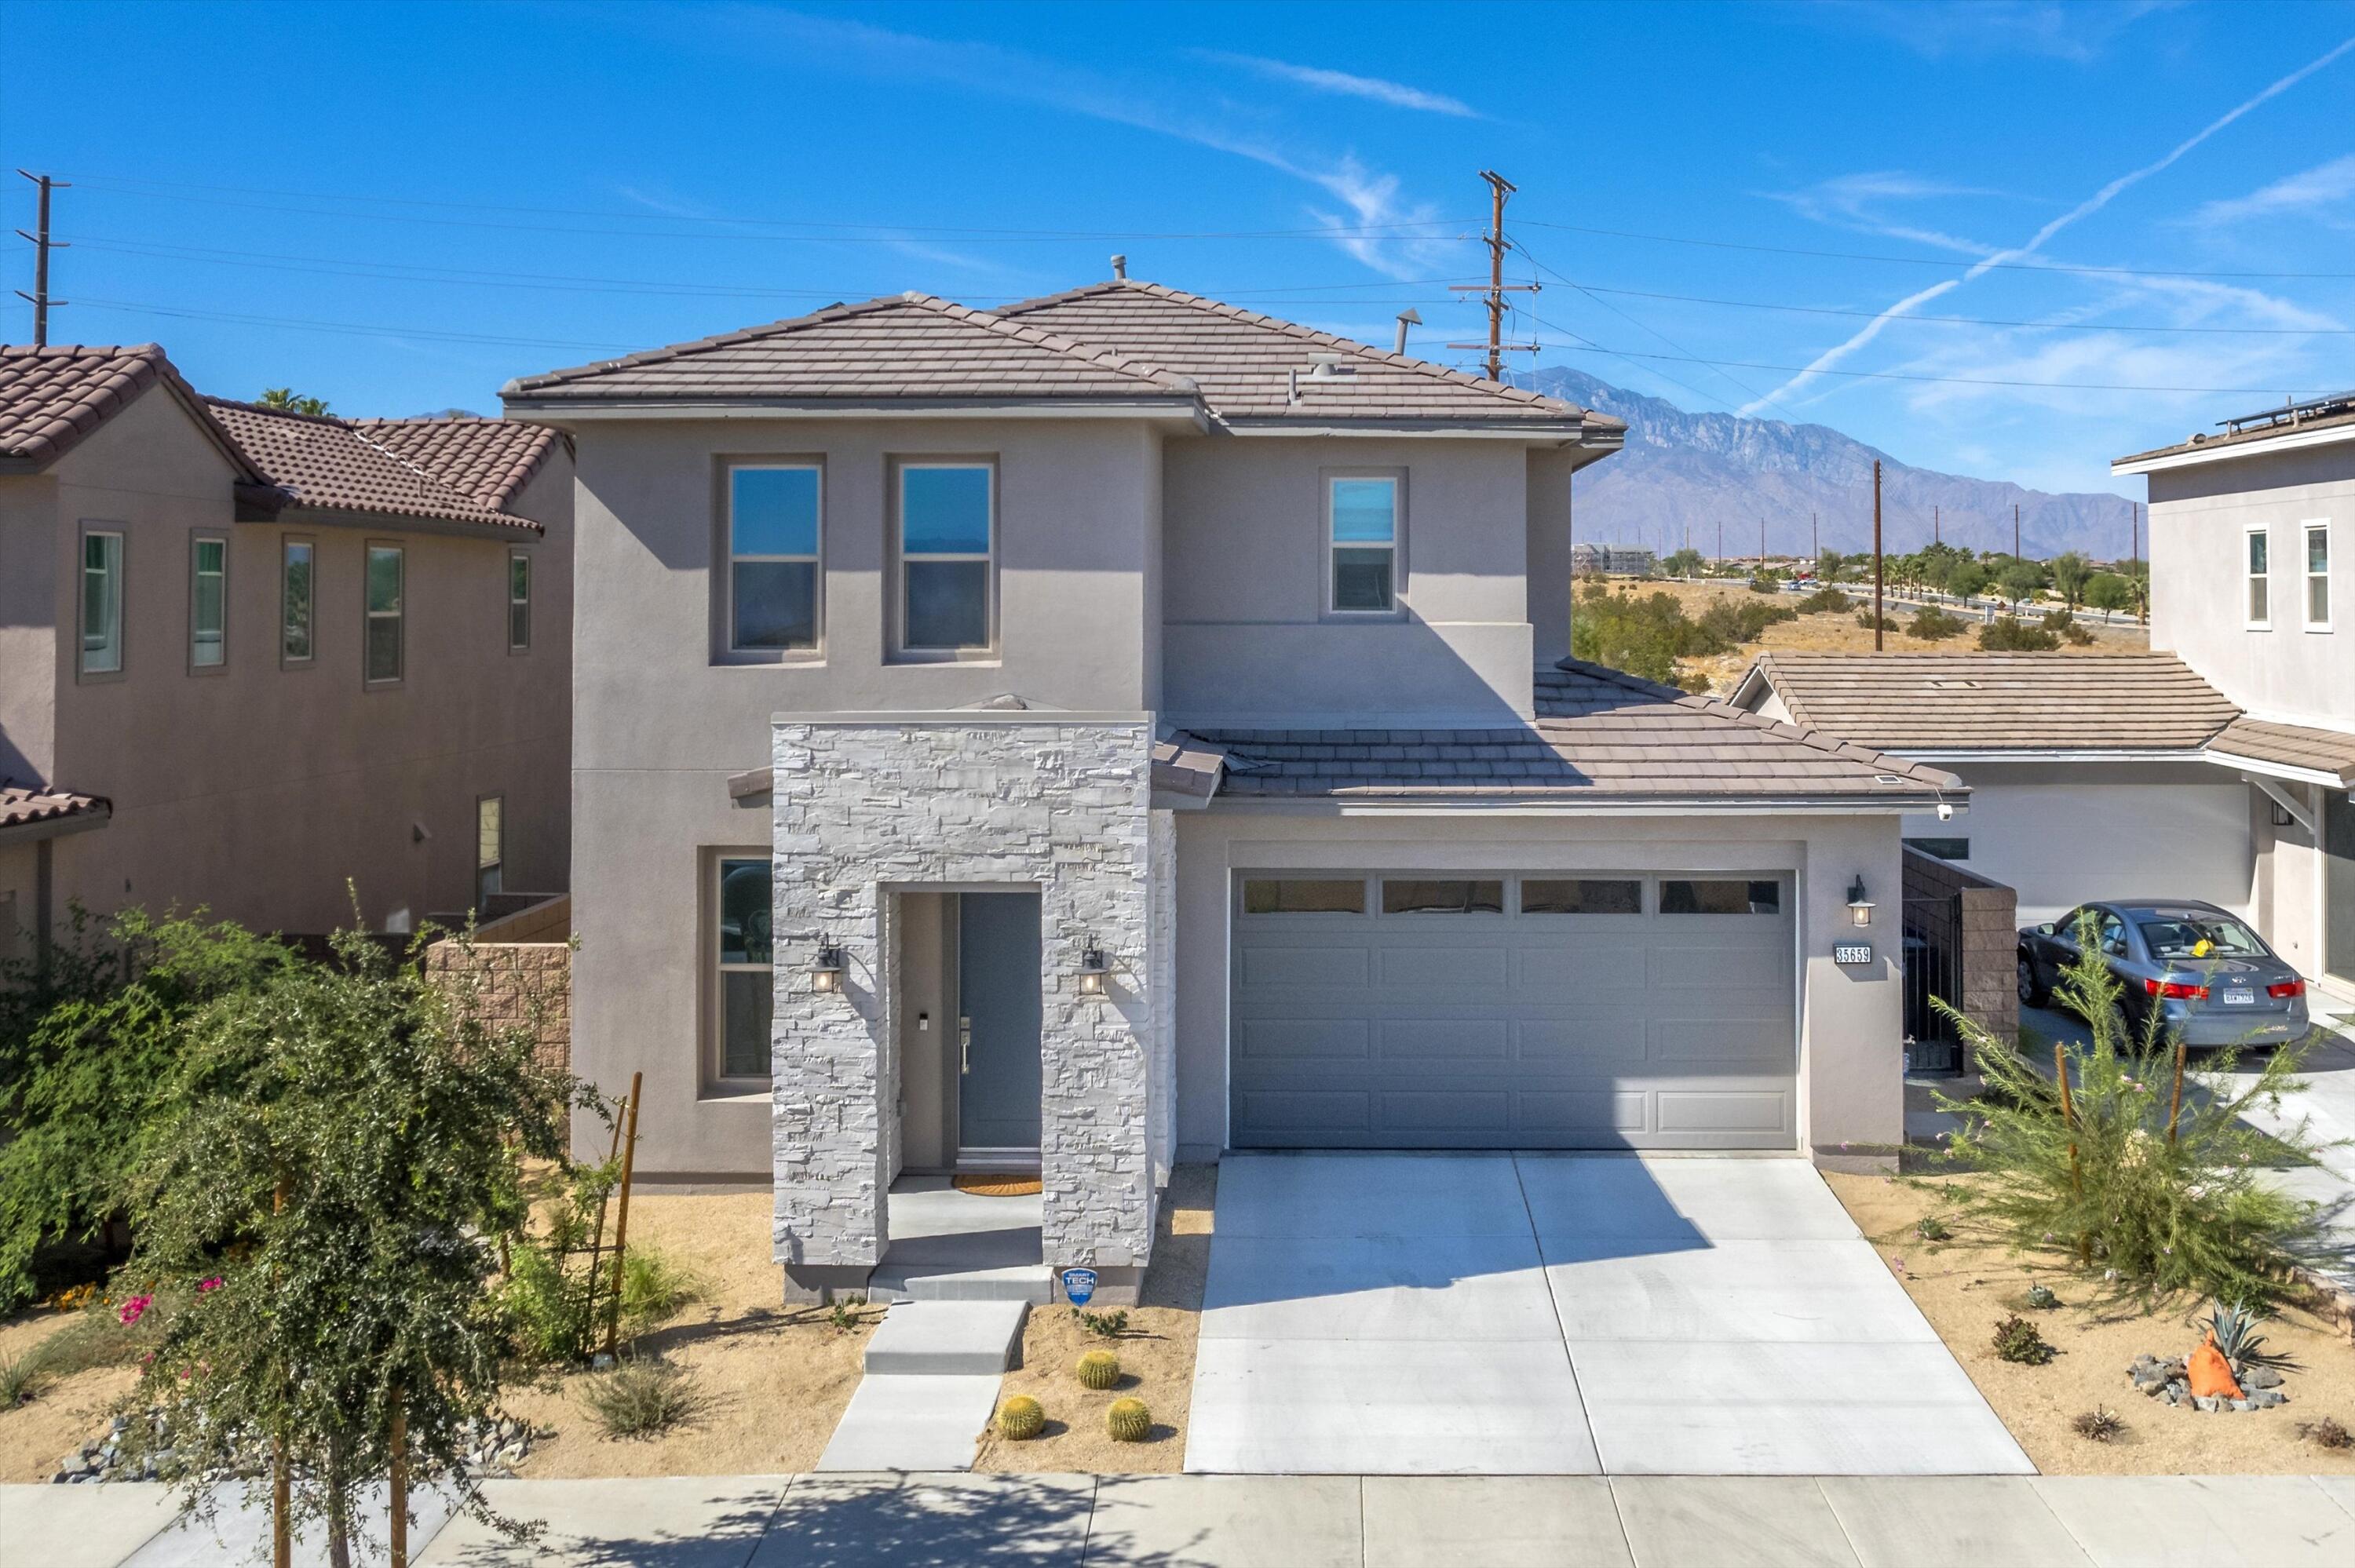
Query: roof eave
(298, 511)
(2224, 449)
(1548, 431)
(563, 412)
(1606, 803)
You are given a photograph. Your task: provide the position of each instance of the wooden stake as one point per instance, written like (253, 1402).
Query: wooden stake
(2174, 1102)
(2069, 1119)
(622, 1222)
(397, 1485)
(282, 1482)
(597, 1239)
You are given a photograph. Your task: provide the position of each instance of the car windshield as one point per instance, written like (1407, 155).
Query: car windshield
(2182, 933)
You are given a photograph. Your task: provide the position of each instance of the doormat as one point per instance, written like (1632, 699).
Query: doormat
(997, 1186)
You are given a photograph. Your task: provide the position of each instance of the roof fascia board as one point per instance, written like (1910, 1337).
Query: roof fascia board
(1604, 806)
(57, 827)
(1552, 432)
(2046, 754)
(400, 522)
(2278, 770)
(933, 718)
(2287, 441)
(561, 412)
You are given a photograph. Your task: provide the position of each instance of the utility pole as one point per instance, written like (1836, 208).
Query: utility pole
(1876, 556)
(1500, 187)
(1815, 538)
(1934, 525)
(42, 246)
(2015, 530)
(1720, 538)
(1761, 547)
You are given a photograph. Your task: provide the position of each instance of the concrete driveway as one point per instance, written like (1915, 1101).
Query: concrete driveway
(1500, 1314)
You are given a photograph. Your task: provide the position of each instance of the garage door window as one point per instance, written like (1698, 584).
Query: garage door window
(1587, 895)
(1305, 895)
(1727, 897)
(1419, 895)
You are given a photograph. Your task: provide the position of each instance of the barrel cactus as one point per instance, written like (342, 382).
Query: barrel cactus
(1128, 1421)
(1021, 1417)
(1098, 1368)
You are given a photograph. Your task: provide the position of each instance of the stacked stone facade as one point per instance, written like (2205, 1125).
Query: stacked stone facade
(866, 808)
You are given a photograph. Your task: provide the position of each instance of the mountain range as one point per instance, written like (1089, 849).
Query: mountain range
(1682, 476)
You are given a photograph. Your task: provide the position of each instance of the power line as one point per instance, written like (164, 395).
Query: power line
(1954, 321)
(1947, 380)
(363, 329)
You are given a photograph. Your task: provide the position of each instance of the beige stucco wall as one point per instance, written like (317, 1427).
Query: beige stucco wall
(1551, 528)
(1851, 1020)
(28, 646)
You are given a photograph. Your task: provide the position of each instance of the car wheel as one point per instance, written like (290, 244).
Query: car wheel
(2031, 989)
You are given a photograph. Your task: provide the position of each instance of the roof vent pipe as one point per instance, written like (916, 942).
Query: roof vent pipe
(1120, 266)
(1406, 318)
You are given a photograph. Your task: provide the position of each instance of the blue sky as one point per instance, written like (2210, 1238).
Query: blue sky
(399, 207)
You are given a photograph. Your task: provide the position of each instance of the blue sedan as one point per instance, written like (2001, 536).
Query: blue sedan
(2208, 978)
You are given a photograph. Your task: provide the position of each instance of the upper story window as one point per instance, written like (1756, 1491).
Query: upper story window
(294, 600)
(947, 560)
(1362, 533)
(518, 601)
(2318, 577)
(387, 566)
(774, 568)
(208, 601)
(102, 602)
(2256, 543)
(490, 847)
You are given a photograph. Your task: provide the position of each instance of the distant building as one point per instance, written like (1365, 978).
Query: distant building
(1618, 560)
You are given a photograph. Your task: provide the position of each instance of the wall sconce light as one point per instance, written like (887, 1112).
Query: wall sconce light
(1860, 906)
(825, 970)
(1092, 970)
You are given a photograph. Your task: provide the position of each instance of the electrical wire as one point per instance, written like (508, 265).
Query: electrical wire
(1957, 321)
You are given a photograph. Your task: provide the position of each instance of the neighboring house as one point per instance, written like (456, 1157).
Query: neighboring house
(262, 655)
(1618, 560)
(1121, 728)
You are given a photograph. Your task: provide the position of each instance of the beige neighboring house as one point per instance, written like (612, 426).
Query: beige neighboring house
(1121, 728)
(247, 656)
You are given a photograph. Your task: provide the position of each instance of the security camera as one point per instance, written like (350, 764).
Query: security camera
(1946, 812)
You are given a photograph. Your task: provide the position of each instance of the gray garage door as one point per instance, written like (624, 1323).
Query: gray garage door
(1423, 1011)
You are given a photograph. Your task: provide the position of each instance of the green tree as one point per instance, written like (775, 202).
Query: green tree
(294, 402)
(2110, 591)
(1684, 563)
(2010, 634)
(1966, 578)
(2020, 579)
(326, 1207)
(2070, 571)
(1829, 566)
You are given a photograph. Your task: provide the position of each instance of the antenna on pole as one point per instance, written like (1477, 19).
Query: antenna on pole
(1500, 187)
(42, 246)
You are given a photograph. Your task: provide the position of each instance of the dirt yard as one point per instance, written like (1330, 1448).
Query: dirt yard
(1965, 1285)
(1156, 1356)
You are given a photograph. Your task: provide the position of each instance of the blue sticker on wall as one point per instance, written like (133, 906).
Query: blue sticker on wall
(1079, 1285)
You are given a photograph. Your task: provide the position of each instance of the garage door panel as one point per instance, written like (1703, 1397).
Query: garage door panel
(1571, 1111)
(1575, 967)
(1760, 1110)
(1581, 1047)
(1290, 966)
(1754, 1043)
(1676, 966)
(1431, 1112)
(1421, 1039)
(1279, 1040)
(1442, 968)
(1307, 1112)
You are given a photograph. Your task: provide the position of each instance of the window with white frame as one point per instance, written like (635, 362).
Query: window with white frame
(1361, 531)
(102, 602)
(387, 606)
(745, 966)
(208, 601)
(775, 566)
(2318, 577)
(946, 556)
(2256, 546)
(518, 601)
(296, 557)
(490, 847)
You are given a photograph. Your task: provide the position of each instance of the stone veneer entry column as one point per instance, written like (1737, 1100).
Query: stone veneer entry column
(871, 805)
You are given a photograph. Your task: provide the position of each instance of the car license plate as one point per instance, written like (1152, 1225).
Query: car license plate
(2235, 998)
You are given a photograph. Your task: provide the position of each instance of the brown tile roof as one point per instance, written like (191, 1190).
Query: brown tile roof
(2289, 745)
(899, 346)
(488, 459)
(1599, 733)
(328, 464)
(1997, 702)
(1244, 362)
(2257, 436)
(1187, 763)
(53, 398)
(24, 808)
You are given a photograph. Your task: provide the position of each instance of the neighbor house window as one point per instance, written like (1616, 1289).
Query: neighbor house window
(1451, 895)
(2318, 576)
(1362, 526)
(385, 606)
(294, 601)
(518, 601)
(2260, 606)
(773, 558)
(1305, 895)
(947, 535)
(1943, 848)
(1721, 897)
(208, 601)
(102, 602)
(745, 966)
(490, 846)
(1581, 896)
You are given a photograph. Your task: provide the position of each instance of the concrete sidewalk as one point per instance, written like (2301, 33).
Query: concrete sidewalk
(1313, 1521)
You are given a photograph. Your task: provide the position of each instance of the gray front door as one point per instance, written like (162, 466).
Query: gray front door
(2339, 885)
(1496, 1011)
(998, 985)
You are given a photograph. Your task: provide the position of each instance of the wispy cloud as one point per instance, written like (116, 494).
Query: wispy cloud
(1856, 202)
(668, 205)
(1941, 28)
(2035, 242)
(1317, 79)
(941, 255)
(2312, 191)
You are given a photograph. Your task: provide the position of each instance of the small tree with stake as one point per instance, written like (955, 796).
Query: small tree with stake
(328, 1209)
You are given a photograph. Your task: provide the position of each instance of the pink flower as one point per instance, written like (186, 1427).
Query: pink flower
(136, 1308)
(212, 1284)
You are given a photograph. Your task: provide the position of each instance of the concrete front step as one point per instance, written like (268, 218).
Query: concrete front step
(921, 1423)
(946, 1338)
(1033, 1283)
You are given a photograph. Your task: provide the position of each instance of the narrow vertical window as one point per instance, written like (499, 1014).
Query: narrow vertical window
(207, 602)
(2318, 576)
(518, 601)
(294, 601)
(490, 847)
(1361, 521)
(2259, 603)
(385, 608)
(947, 532)
(745, 968)
(102, 603)
(773, 566)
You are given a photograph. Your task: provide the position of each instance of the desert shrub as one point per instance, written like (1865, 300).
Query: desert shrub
(2040, 1298)
(2104, 1184)
(1934, 625)
(1108, 1325)
(2235, 1331)
(2099, 1424)
(2008, 634)
(1644, 634)
(1765, 585)
(2019, 1340)
(2064, 625)
(1866, 620)
(554, 1316)
(2326, 1433)
(1823, 601)
(1730, 622)
(642, 1398)
(1932, 1229)
(654, 1288)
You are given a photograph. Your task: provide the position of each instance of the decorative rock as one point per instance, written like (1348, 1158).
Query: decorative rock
(2206, 1402)
(2261, 1377)
(2266, 1398)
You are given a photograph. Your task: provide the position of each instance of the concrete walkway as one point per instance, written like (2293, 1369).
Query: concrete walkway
(1316, 1522)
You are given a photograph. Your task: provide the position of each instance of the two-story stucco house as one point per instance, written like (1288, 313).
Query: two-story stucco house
(1121, 728)
(259, 661)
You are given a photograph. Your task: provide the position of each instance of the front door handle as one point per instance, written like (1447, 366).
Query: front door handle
(965, 1046)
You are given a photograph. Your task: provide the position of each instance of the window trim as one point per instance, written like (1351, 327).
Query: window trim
(517, 556)
(121, 535)
(197, 539)
(2307, 577)
(368, 616)
(724, 642)
(895, 649)
(715, 1077)
(1326, 479)
(286, 544)
(1643, 884)
(2251, 577)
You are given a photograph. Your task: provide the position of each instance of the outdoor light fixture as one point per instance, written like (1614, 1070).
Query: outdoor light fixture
(825, 971)
(1092, 970)
(1859, 908)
